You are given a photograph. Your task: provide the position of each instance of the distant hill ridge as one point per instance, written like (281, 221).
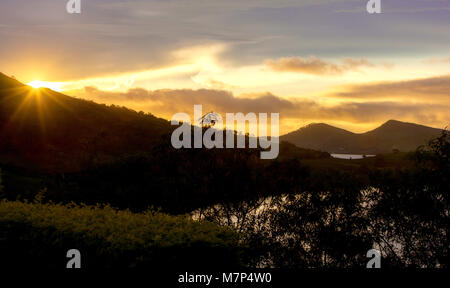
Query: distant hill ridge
(9, 82)
(48, 130)
(389, 136)
(44, 130)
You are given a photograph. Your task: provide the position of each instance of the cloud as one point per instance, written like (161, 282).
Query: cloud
(366, 112)
(438, 60)
(166, 102)
(171, 101)
(434, 89)
(119, 36)
(316, 66)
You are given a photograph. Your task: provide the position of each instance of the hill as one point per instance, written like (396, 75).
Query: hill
(391, 135)
(44, 130)
(48, 130)
(65, 149)
(76, 150)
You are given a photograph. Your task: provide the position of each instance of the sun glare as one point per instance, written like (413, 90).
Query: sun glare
(56, 86)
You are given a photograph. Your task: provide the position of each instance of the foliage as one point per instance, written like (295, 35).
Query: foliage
(333, 218)
(40, 234)
(178, 181)
(303, 209)
(413, 208)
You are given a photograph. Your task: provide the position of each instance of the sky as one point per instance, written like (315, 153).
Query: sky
(309, 60)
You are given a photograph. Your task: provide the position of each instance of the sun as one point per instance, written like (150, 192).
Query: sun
(56, 86)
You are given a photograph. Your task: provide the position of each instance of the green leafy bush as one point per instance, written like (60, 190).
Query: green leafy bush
(40, 234)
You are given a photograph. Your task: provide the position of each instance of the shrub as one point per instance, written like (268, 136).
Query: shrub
(37, 234)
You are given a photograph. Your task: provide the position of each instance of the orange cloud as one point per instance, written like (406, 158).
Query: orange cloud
(293, 112)
(431, 90)
(316, 66)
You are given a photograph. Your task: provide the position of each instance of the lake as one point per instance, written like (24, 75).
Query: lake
(350, 156)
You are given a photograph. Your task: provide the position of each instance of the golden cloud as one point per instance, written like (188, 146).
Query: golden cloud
(166, 102)
(316, 66)
(431, 90)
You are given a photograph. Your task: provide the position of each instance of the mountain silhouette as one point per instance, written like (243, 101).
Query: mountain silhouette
(48, 130)
(9, 82)
(392, 135)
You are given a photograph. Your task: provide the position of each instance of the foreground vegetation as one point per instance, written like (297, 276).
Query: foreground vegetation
(304, 209)
(39, 235)
(283, 213)
(332, 218)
